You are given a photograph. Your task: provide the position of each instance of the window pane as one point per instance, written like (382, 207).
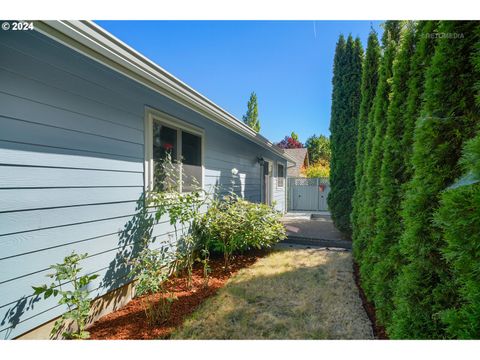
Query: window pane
(280, 175)
(164, 146)
(192, 161)
(191, 149)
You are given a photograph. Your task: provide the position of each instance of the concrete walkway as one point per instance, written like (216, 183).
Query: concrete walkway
(313, 229)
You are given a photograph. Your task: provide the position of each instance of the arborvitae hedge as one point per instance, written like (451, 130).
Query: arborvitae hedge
(373, 162)
(388, 222)
(424, 49)
(459, 219)
(343, 126)
(368, 89)
(424, 287)
(408, 84)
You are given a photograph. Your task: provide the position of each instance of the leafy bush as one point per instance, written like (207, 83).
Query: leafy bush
(236, 225)
(321, 169)
(76, 300)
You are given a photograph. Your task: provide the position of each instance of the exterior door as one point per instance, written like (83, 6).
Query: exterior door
(266, 182)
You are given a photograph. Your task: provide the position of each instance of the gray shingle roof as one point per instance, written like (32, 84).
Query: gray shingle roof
(300, 156)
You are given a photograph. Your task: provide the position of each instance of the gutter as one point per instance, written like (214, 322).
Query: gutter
(96, 43)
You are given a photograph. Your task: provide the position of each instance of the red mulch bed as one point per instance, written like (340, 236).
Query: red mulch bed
(130, 322)
(378, 330)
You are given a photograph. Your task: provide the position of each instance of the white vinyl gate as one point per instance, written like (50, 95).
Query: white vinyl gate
(308, 194)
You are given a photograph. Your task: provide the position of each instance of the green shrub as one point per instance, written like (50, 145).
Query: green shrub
(459, 219)
(237, 225)
(152, 268)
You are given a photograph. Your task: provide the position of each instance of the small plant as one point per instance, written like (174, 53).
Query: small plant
(76, 300)
(204, 260)
(152, 268)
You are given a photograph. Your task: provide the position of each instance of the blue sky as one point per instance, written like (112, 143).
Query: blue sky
(287, 63)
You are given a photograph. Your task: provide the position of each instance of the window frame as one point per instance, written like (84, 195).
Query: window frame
(180, 126)
(283, 177)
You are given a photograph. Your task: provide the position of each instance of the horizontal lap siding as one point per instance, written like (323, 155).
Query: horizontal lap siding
(71, 173)
(71, 170)
(225, 152)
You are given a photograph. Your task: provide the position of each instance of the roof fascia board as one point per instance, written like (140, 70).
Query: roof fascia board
(94, 42)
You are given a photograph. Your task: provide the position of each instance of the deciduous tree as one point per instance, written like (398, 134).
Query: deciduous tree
(318, 148)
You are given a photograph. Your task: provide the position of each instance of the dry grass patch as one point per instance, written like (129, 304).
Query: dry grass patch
(290, 294)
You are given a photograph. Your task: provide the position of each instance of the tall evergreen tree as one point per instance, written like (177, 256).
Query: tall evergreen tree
(388, 222)
(449, 117)
(407, 90)
(346, 81)
(251, 117)
(424, 50)
(373, 160)
(368, 89)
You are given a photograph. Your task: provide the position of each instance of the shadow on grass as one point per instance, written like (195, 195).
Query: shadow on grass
(302, 294)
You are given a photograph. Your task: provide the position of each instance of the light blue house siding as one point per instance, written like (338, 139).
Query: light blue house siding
(72, 169)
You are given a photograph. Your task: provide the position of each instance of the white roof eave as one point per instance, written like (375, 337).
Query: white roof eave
(93, 41)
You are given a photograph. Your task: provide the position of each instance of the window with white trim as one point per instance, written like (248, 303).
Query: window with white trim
(167, 137)
(280, 175)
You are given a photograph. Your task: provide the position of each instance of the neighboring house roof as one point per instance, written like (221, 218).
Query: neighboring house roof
(98, 44)
(301, 159)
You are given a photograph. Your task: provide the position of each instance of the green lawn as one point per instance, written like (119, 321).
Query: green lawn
(290, 294)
